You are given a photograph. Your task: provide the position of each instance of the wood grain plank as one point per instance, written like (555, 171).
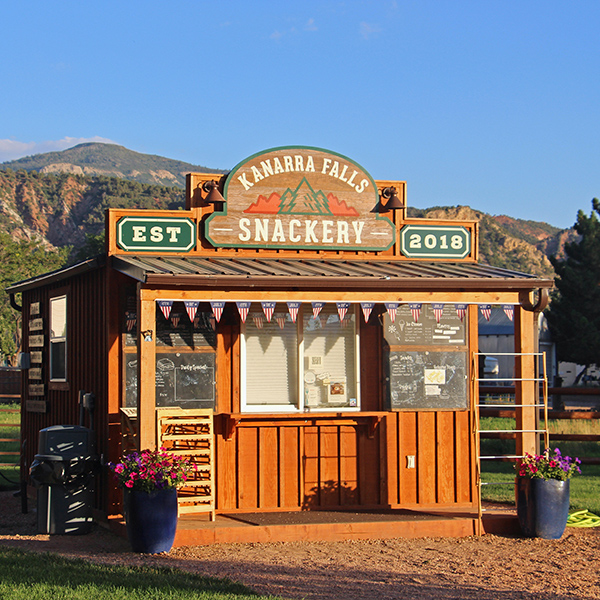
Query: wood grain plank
(390, 437)
(446, 463)
(247, 467)
(426, 457)
(329, 467)
(268, 468)
(408, 447)
(348, 467)
(289, 468)
(369, 467)
(310, 461)
(464, 452)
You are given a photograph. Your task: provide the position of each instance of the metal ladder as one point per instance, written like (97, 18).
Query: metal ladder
(539, 404)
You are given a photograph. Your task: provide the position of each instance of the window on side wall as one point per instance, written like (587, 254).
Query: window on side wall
(58, 338)
(310, 365)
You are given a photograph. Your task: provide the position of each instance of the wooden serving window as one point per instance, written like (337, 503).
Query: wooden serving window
(307, 365)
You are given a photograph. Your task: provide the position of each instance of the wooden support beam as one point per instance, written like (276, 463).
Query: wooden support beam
(146, 344)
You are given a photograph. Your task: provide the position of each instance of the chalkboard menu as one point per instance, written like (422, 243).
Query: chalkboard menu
(185, 379)
(427, 329)
(434, 380)
(177, 330)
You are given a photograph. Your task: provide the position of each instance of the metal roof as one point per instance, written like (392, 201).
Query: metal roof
(271, 272)
(54, 276)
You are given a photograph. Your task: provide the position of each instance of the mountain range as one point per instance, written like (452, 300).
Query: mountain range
(110, 160)
(59, 198)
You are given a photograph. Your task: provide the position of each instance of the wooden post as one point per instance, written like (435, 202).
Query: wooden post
(526, 392)
(146, 372)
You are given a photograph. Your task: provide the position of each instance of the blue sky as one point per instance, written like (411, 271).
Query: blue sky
(491, 104)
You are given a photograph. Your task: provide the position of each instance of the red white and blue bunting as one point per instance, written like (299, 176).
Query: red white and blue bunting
(392, 309)
(217, 308)
(165, 306)
(243, 308)
(415, 309)
(293, 307)
(191, 307)
(509, 311)
(438, 311)
(316, 308)
(367, 307)
(461, 310)
(268, 308)
(342, 308)
(486, 310)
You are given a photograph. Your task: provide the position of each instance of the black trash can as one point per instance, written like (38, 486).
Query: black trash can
(63, 473)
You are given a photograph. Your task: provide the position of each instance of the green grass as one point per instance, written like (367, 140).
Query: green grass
(9, 428)
(47, 577)
(585, 488)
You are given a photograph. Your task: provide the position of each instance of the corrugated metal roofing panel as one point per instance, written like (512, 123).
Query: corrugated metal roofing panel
(283, 268)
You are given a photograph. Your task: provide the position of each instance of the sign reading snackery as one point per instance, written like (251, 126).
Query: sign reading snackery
(300, 197)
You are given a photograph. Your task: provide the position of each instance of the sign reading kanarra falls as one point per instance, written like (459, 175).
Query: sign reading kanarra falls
(300, 197)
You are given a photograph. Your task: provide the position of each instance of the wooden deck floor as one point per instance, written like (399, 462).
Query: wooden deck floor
(337, 526)
(320, 525)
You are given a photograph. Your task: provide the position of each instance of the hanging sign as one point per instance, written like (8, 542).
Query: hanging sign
(151, 234)
(435, 241)
(300, 197)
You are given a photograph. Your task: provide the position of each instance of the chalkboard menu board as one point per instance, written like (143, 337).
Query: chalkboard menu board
(425, 330)
(185, 379)
(421, 380)
(177, 330)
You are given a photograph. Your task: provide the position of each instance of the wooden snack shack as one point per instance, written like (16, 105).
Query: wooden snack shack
(292, 330)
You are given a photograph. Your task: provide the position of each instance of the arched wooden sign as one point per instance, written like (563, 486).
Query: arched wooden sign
(300, 198)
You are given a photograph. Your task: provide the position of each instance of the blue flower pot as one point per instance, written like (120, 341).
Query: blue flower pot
(542, 506)
(151, 519)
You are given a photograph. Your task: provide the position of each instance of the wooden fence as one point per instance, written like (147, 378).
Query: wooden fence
(576, 414)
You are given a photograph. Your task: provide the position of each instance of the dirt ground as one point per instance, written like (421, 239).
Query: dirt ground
(485, 568)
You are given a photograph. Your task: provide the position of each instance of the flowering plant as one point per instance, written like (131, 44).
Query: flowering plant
(549, 465)
(151, 470)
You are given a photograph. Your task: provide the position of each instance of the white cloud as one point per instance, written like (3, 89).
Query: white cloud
(13, 149)
(310, 25)
(368, 29)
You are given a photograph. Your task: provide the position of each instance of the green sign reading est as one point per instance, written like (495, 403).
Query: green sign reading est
(152, 234)
(435, 241)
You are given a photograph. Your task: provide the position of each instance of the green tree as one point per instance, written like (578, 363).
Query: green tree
(93, 246)
(574, 313)
(20, 260)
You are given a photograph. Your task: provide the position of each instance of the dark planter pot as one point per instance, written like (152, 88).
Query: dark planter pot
(151, 519)
(542, 506)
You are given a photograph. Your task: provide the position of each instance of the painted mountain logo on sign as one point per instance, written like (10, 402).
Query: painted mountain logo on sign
(301, 201)
(297, 197)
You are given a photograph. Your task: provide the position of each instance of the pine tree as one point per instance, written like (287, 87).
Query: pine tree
(574, 313)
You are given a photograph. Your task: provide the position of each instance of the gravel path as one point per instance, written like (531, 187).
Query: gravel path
(484, 568)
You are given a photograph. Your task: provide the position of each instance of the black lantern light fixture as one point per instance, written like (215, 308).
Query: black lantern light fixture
(393, 201)
(214, 196)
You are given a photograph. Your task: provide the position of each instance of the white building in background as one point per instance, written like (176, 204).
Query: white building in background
(497, 340)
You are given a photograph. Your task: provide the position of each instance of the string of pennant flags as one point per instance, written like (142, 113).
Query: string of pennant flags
(268, 308)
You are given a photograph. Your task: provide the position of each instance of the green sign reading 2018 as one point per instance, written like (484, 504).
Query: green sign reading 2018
(435, 241)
